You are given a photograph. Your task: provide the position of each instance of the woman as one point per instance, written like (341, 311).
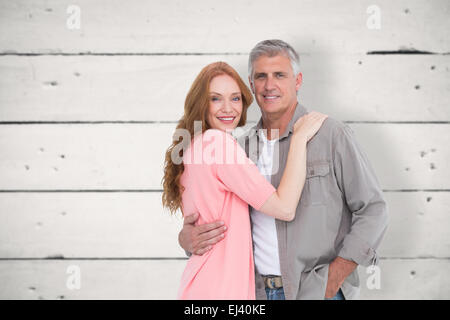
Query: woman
(209, 183)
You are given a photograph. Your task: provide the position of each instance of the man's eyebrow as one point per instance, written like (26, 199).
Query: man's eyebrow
(258, 73)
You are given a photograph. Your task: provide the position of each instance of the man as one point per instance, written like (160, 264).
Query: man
(341, 216)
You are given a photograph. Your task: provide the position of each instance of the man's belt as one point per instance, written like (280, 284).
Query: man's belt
(273, 282)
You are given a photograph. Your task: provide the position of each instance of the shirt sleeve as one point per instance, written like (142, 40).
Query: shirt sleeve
(363, 196)
(237, 173)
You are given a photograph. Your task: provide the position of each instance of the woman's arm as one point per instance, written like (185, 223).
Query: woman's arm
(248, 183)
(282, 204)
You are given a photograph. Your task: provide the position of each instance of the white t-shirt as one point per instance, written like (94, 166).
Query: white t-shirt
(265, 239)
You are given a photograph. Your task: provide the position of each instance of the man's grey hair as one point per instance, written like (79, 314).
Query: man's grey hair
(271, 48)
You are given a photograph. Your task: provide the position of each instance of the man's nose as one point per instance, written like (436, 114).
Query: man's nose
(270, 83)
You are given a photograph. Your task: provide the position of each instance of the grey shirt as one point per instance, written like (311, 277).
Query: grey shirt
(341, 212)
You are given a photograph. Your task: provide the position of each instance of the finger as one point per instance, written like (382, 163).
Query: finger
(209, 243)
(202, 251)
(209, 226)
(214, 240)
(322, 118)
(208, 239)
(191, 219)
(196, 245)
(318, 115)
(211, 234)
(314, 116)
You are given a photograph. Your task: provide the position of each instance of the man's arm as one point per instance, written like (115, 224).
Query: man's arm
(338, 271)
(364, 198)
(199, 239)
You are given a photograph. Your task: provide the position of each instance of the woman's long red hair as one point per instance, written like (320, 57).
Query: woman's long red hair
(196, 108)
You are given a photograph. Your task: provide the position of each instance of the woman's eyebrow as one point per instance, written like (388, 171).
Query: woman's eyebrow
(212, 92)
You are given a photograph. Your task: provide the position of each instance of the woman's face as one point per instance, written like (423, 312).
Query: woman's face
(225, 103)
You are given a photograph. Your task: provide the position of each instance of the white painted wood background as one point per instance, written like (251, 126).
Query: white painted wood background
(86, 115)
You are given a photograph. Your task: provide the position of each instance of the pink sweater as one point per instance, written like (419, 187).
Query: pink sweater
(220, 182)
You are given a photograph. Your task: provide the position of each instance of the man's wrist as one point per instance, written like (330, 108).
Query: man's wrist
(341, 269)
(300, 136)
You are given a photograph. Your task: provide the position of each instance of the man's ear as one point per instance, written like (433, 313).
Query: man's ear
(298, 81)
(251, 85)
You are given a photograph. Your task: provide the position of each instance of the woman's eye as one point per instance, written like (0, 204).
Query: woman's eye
(214, 99)
(236, 98)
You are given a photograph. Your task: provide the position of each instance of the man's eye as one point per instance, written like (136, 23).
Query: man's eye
(259, 76)
(280, 75)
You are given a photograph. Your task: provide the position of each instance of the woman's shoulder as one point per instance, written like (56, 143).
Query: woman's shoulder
(217, 137)
(206, 143)
(215, 146)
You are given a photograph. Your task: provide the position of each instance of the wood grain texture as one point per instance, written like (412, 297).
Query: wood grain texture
(222, 26)
(134, 225)
(137, 279)
(417, 279)
(135, 63)
(351, 87)
(117, 279)
(88, 225)
(130, 156)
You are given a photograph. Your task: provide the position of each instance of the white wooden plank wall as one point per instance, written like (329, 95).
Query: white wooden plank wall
(86, 115)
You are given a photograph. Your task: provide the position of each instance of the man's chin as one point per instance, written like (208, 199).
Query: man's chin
(271, 107)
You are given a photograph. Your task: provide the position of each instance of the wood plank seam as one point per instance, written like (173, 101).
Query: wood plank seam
(31, 54)
(175, 122)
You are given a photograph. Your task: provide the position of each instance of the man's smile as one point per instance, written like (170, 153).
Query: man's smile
(270, 98)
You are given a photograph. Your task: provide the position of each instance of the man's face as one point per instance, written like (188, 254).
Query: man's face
(274, 84)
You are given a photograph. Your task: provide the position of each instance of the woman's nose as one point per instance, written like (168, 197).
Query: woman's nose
(227, 108)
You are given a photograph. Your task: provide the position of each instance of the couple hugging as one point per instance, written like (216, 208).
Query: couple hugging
(290, 210)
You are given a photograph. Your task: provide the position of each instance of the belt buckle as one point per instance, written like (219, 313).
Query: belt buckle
(271, 283)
